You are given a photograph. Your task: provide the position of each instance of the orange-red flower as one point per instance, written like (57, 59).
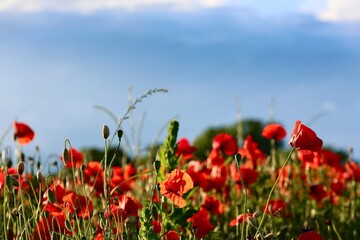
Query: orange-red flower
(78, 204)
(185, 150)
(275, 207)
(250, 151)
(213, 205)
(318, 192)
(172, 235)
(309, 235)
(274, 131)
(75, 158)
(176, 184)
(240, 219)
(23, 133)
(225, 143)
(94, 176)
(304, 138)
(201, 224)
(249, 176)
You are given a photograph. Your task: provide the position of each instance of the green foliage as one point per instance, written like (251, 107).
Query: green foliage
(167, 152)
(146, 229)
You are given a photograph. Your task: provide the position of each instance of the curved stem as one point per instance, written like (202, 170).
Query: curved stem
(245, 196)
(272, 189)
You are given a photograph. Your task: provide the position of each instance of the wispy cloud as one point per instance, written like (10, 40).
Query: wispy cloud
(341, 10)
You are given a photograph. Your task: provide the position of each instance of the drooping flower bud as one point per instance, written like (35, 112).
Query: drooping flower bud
(120, 134)
(21, 168)
(157, 165)
(105, 131)
(65, 155)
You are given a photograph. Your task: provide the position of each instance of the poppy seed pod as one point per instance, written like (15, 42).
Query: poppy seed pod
(105, 131)
(65, 155)
(21, 168)
(120, 134)
(157, 165)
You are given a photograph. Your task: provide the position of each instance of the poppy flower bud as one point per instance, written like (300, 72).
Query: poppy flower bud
(105, 132)
(9, 183)
(257, 214)
(21, 168)
(65, 155)
(252, 221)
(51, 196)
(120, 134)
(238, 158)
(38, 165)
(154, 213)
(82, 168)
(39, 175)
(47, 214)
(157, 165)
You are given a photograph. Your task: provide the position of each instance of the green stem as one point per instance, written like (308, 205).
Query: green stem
(245, 197)
(272, 189)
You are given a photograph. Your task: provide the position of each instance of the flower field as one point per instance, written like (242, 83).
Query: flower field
(236, 192)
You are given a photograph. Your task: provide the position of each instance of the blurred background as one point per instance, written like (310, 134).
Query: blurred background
(221, 61)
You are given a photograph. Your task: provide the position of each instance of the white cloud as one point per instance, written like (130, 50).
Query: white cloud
(341, 10)
(88, 6)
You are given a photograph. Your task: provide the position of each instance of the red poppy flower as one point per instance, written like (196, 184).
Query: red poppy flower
(201, 224)
(116, 212)
(275, 207)
(303, 138)
(23, 133)
(250, 151)
(274, 131)
(172, 235)
(337, 187)
(213, 205)
(185, 150)
(78, 204)
(14, 175)
(54, 223)
(129, 205)
(249, 175)
(317, 192)
(311, 235)
(240, 219)
(94, 176)
(225, 142)
(75, 158)
(176, 184)
(215, 157)
(156, 226)
(352, 171)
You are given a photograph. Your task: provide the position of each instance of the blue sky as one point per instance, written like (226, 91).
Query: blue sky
(217, 59)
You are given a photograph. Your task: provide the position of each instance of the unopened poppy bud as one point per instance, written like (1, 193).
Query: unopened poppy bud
(9, 183)
(120, 134)
(65, 155)
(47, 214)
(38, 165)
(68, 225)
(105, 132)
(51, 197)
(157, 165)
(39, 176)
(238, 158)
(82, 168)
(252, 221)
(21, 168)
(154, 213)
(257, 214)
(9, 163)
